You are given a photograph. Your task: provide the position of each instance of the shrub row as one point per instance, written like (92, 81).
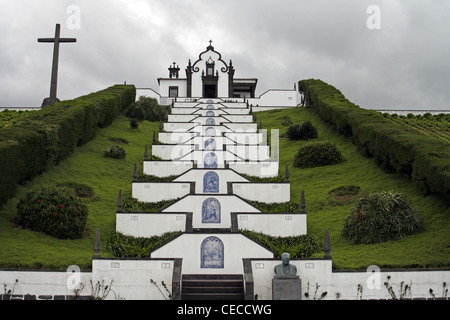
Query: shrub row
(297, 246)
(45, 137)
(395, 148)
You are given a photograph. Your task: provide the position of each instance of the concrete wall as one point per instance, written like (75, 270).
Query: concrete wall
(158, 191)
(228, 204)
(263, 169)
(263, 192)
(274, 224)
(150, 224)
(224, 175)
(131, 279)
(344, 285)
(166, 168)
(187, 246)
(276, 98)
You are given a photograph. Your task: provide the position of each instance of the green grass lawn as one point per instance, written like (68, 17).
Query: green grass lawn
(429, 249)
(22, 248)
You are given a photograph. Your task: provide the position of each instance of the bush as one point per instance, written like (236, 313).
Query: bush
(123, 246)
(41, 139)
(303, 131)
(395, 148)
(317, 154)
(297, 246)
(115, 152)
(56, 211)
(381, 217)
(134, 124)
(146, 109)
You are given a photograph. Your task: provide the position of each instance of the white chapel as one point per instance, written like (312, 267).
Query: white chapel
(212, 77)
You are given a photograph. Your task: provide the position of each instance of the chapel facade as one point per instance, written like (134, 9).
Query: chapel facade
(208, 77)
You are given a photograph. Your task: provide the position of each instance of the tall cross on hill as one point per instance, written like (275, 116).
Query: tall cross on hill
(54, 81)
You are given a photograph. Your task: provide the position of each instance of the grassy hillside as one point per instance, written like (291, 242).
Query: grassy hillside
(28, 249)
(430, 248)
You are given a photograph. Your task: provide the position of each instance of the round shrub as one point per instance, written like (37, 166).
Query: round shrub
(381, 217)
(303, 131)
(115, 152)
(55, 211)
(134, 124)
(317, 154)
(146, 109)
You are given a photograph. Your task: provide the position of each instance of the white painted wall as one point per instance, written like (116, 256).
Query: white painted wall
(263, 192)
(175, 137)
(158, 191)
(173, 151)
(228, 204)
(276, 98)
(236, 247)
(345, 284)
(258, 169)
(42, 282)
(131, 278)
(166, 168)
(150, 224)
(164, 85)
(147, 92)
(274, 224)
(197, 175)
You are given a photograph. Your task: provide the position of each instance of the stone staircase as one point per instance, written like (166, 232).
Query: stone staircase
(212, 287)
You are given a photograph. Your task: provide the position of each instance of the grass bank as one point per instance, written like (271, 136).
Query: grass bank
(427, 249)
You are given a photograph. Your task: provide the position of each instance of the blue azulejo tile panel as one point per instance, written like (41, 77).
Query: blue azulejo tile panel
(211, 211)
(212, 253)
(211, 182)
(210, 160)
(210, 144)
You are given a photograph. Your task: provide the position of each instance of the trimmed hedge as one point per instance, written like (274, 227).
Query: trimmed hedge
(45, 137)
(395, 148)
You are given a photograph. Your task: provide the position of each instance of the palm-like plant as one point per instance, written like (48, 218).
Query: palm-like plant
(380, 217)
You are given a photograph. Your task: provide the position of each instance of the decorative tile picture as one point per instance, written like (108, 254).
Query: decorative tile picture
(211, 211)
(212, 253)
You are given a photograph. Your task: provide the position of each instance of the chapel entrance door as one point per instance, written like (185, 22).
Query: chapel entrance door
(210, 91)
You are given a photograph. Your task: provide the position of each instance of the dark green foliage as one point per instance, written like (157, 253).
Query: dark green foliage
(131, 204)
(317, 154)
(115, 152)
(394, 147)
(290, 206)
(150, 178)
(43, 138)
(298, 247)
(278, 178)
(123, 246)
(80, 190)
(381, 217)
(305, 131)
(134, 123)
(146, 109)
(56, 211)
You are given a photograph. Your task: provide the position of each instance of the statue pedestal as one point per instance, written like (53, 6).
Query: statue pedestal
(286, 288)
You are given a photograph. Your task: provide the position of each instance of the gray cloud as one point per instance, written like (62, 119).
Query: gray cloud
(405, 64)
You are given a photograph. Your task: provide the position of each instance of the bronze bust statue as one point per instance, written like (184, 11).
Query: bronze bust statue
(285, 269)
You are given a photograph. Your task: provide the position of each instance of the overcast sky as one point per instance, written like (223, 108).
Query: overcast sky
(399, 58)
